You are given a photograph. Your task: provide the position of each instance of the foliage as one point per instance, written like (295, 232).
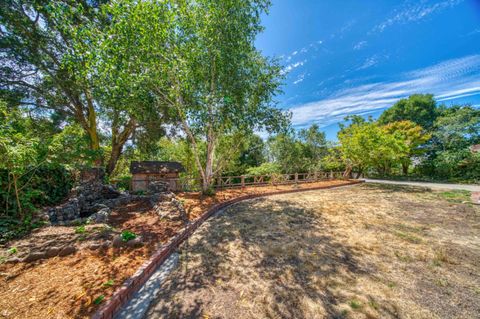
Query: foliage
(211, 75)
(128, 235)
(367, 145)
(418, 108)
(265, 169)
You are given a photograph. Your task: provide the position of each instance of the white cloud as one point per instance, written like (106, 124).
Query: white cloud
(293, 66)
(447, 80)
(360, 45)
(369, 62)
(299, 79)
(415, 12)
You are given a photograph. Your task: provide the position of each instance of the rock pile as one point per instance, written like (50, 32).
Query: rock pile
(90, 200)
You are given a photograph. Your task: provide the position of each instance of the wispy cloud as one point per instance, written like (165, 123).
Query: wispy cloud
(360, 45)
(415, 11)
(293, 66)
(447, 80)
(299, 79)
(369, 62)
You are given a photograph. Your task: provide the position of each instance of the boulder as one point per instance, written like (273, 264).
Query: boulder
(100, 217)
(67, 250)
(34, 256)
(52, 252)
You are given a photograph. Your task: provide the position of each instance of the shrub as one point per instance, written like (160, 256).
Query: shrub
(128, 235)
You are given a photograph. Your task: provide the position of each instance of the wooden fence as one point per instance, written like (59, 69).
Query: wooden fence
(222, 182)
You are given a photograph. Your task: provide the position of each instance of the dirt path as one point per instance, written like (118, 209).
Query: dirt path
(368, 251)
(467, 187)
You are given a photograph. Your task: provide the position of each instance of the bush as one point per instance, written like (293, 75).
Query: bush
(265, 169)
(41, 186)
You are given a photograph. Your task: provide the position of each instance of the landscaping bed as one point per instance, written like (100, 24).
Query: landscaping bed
(96, 261)
(367, 251)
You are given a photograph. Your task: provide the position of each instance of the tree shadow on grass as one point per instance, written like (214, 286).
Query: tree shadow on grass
(261, 258)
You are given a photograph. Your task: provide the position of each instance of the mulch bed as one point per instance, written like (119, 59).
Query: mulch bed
(75, 286)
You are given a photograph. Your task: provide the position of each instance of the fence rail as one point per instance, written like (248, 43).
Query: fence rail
(223, 182)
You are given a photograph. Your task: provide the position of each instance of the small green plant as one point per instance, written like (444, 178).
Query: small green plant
(99, 299)
(355, 304)
(80, 229)
(209, 192)
(12, 251)
(128, 235)
(409, 237)
(109, 283)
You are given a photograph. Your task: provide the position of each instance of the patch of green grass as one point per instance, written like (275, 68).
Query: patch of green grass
(99, 299)
(355, 304)
(80, 230)
(403, 257)
(456, 196)
(109, 283)
(2, 259)
(12, 251)
(128, 235)
(408, 237)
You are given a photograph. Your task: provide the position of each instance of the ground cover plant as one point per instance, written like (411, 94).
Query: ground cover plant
(366, 251)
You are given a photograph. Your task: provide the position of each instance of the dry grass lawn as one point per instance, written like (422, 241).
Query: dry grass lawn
(365, 251)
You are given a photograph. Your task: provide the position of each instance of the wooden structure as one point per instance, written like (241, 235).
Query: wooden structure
(146, 172)
(222, 182)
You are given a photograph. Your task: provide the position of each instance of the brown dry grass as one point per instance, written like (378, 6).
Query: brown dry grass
(357, 252)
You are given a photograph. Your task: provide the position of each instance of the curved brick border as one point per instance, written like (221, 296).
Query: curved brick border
(122, 295)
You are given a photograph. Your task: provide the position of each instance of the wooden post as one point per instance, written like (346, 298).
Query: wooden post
(296, 178)
(315, 176)
(243, 180)
(331, 174)
(219, 182)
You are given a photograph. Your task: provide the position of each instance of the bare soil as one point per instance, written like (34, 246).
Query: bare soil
(366, 251)
(75, 286)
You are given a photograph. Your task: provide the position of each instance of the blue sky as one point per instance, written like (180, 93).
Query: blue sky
(359, 57)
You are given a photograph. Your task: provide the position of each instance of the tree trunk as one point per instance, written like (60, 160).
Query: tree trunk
(118, 141)
(17, 196)
(209, 163)
(347, 172)
(405, 167)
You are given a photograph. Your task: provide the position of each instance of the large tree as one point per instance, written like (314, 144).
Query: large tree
(57, 55)
(418, 108)
(206, 68)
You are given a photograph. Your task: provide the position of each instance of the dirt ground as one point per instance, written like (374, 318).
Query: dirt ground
(365, 251)
(76, 285)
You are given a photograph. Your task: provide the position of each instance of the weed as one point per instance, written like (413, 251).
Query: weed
(12, 251)
(391, 284)
(355, 304)
(404, 258)
(2, 259)
(128, 235)
(344, 313)
(109, 283)
(409, 237)
(80, 229)
(374, 304)
(99, 299)
(441, 256)
(441, 282)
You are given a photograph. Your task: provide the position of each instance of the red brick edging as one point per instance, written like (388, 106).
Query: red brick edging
(122, 295)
